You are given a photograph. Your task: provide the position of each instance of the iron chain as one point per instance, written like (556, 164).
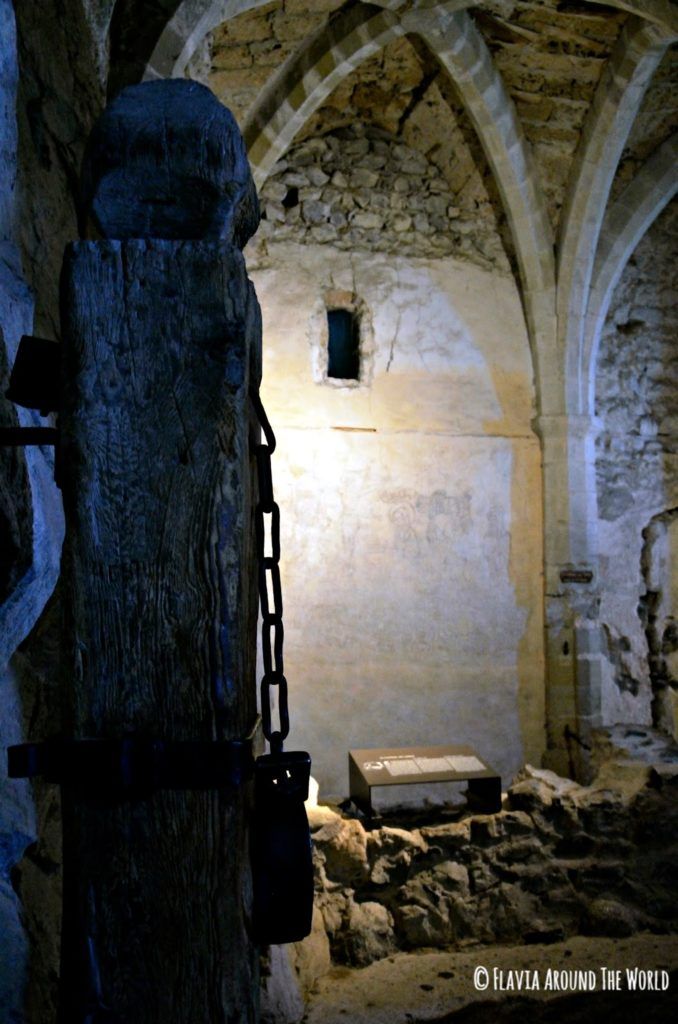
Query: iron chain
(270, 601)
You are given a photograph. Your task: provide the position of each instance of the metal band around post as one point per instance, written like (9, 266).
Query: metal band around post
(272, 631)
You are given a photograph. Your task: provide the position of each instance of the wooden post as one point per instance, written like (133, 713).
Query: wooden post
(162, 343)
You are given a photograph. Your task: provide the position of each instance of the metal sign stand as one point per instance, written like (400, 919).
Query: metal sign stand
(398, 766)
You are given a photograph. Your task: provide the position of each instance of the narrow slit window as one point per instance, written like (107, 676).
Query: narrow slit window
(343, 345)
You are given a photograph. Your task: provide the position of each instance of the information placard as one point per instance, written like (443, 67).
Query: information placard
(390, 766)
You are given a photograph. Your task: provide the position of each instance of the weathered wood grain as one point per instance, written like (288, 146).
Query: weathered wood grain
(166, 160)
(161, 342)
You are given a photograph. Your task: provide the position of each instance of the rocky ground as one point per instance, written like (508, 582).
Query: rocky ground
(564, 877)
(440, 987)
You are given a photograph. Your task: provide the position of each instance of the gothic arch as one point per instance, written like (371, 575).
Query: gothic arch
(659, 12)
(608, 123)
(192, 20)
(293, 94)
(461, 50)
(338, 49)
(189, 21)
(182, 34)
(133, 31)
(625, 223)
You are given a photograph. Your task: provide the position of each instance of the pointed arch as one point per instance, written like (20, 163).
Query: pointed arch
(661, 12)
(191, 22)
(615, 105)
(461, 50)
(296, 91)
(625, 223)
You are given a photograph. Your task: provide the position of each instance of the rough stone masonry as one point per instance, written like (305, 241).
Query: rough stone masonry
(559, 860)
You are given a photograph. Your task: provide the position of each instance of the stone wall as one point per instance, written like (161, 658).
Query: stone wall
(52, 65)
(637, 481)
(560, 860)
(29, 537)
(245, 50)
(63, 63)
(410, 504)
(363, 188)
(402, 103)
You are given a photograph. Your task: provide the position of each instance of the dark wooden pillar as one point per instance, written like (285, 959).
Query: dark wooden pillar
(161, 341)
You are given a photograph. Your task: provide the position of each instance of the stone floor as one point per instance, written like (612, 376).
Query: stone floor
(636, 742)
(544, 912)
(409, 988)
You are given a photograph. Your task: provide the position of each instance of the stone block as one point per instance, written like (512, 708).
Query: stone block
(317, 176)
(275, 213)
(374, 161)
(626, 778)
(527, 849)
(481, 877)
(338, 219)
(225, 58)
(363, 177)
(485, 830)
(506, 912)
(531, 796)
(452, 877)
(422, 224)
(323, 233)
(366, 220)
(289, 28)
(369, 933)
(344, 844)
(417, 927)
(401, 222)
(363, 198)
(320, 815)
(356, 147)
(452, 837)
(515, 823)
(310, 958)
(295, 179)
(610, 917)
(315, 212)
(281, 999)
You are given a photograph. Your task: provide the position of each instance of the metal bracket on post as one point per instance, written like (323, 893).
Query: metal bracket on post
(34, 381)
(19, 437)
(134, 767)
(34, 384)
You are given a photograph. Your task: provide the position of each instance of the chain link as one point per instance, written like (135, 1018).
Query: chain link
(270, 590)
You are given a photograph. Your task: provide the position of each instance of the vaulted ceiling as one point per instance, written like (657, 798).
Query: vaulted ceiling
(310, 66)
(553, 122)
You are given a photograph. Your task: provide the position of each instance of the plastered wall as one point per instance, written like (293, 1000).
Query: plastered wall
(411, 508)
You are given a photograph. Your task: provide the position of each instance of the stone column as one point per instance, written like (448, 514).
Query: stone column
(571, 590)
(161, 344)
